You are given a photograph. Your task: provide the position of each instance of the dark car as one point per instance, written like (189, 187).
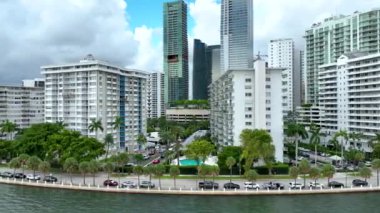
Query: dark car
(19, 175)
(208, 185)
(335, 184)
(110, 183)
(6, 175)
(50, 179)
(231, 186)
(358, 182)
(273, 186)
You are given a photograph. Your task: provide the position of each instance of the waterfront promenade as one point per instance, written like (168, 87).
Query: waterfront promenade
(188, 191)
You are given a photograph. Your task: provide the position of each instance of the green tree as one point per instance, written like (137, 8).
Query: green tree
(95, 126)
(138, 170)
(365, 173)
(138, 158)
(166, 137)
(108, 141)
(177, 132)
(376, 166)
(375, 140)
(251, 175)
(44, 167)
(116, 124)
(23, 158)
(228, 151)
(93, 168)
(254, 143)
(121, 160)
(84, 168)
(159, 171)
(70, 166)
(174, 172)
(304, 169)
(315, 139)
(230, 162)
(203, 171)
(355, 136)
(9, 128)
(328, 171)
(267, 154)
(14, 164)
(294, 172)
(297, 131)
(314, 174)
(141, 140)
(109, 167)
(149, 170)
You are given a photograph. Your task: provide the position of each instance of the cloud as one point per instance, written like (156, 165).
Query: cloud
(39, 32)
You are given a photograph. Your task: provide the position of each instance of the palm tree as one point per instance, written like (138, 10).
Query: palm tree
(251, 175)
(138, 170)
(166, 136)
(203, 171)
(141, 140)
(108, 140)
(159, 171)
(355, 136)
(315, 139)
(117, 123)
(174, 172)
(230, 162)
(344, 138)
(93, 168)
(84, 168)
(376, 165)
(15, 163)
(304, 169)
(70, 165)
(214, 171)
(23, 158)
(149, 170)
(365, 173)
(293, 173)
(44, 167)
(109, 167)
(328, 171)
(297, 131)
(177, 131)
(121, 160)
(375, 140)
(267, 153)
(315, 173)
(95, 126)
(32, 163)
(9, 128)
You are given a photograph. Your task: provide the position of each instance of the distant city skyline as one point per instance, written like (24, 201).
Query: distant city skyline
(39, 32)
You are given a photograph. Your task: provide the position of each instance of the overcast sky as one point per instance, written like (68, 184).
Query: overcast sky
(129, 33)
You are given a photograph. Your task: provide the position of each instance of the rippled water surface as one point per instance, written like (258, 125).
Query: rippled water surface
(28, 199)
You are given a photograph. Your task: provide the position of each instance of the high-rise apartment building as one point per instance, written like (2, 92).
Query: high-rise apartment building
(22, 105)
(349, 95)
(327, 41)
(155, 95)
(281, 53)
(77, 93)
(236, 34)
(176, 66)
(303, 75)
(206, 60)
(247, 99)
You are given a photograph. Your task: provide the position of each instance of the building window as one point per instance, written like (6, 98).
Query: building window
(248, 80)
(248, 123)
(248, 94)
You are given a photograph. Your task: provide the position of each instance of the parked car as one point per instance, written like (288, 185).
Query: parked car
(251, 185)
(231, 186)
(33, 177)
(146, 184)
(156, 161)
(50, 179)
(368, 163)
(208, 185)
(315, 185)
(130, 164)
(273, 185)
(358, 182)
(19, 175)
(335, 184)
(294, 185)
(146, 157)
(110, 183)
(6, 175)
(128, 184)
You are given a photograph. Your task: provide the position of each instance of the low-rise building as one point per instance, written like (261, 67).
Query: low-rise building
(187, 114)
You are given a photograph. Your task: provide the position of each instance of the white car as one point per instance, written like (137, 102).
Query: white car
(128, 184)
(315, 185)
(294, 185)
(146, 157)
(251, 185)
(33, 177)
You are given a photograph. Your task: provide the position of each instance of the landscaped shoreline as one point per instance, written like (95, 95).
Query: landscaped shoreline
(243, 192)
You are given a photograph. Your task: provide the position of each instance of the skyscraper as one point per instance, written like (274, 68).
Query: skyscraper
(176, 67)
(236, 34)
(206, 60)
(155, 95)
(335, 36)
